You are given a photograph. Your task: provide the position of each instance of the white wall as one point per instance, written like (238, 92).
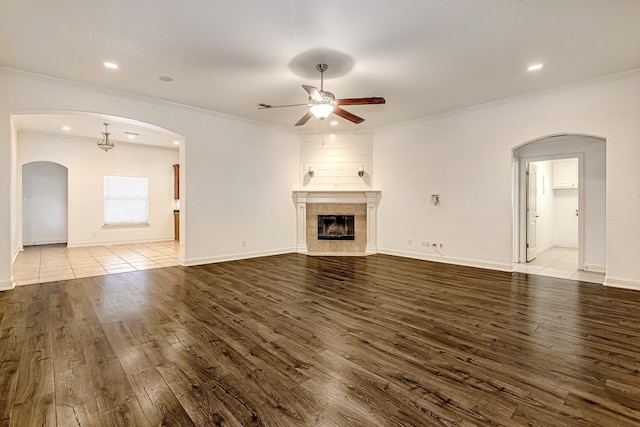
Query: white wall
(545, 225)
(44, 203)
(237, 176)
(87, 166)
(466, 158)
(336, 159)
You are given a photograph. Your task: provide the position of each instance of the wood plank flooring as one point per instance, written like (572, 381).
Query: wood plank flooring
(292, 340)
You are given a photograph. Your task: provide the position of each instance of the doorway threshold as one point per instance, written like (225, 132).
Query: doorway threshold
(561, 263)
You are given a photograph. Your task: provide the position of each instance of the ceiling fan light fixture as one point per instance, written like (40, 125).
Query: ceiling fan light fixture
(321, 111)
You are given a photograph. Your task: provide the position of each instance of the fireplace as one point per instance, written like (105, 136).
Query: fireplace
(363, 205)
(336, 227)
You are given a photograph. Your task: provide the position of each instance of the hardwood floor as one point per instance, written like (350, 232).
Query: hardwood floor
(292, 340)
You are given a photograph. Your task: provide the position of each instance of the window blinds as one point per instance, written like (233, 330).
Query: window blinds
(126, 200)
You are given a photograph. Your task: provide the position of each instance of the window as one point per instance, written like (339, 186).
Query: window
(126, 200)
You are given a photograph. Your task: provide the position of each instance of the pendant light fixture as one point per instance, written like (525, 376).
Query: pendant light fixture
(105, 144)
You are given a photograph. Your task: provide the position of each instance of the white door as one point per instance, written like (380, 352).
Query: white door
(532, 212)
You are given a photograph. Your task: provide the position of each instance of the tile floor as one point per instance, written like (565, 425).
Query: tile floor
(48, 263)
(561, 263)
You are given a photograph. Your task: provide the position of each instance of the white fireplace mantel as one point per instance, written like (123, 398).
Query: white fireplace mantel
(369, 197)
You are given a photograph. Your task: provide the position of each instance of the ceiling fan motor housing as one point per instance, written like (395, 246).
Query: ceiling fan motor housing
(325, 98)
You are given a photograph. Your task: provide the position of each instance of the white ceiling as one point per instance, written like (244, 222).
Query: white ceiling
(424, 56)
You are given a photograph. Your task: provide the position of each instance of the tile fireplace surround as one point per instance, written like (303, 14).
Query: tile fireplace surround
(361, 203)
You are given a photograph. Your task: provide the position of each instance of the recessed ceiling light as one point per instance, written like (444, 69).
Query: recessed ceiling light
(535, 67)
(131, 135)
(66, 128)
(111, 65)
(334, 123)
(165, 78)
(176, 142)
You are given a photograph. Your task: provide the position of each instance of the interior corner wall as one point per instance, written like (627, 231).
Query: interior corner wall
(87, 166)
(466, 158)
(237, 175)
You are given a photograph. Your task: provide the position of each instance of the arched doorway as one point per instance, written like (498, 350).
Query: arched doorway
(571, 187)
(44, 203)
(70, 138)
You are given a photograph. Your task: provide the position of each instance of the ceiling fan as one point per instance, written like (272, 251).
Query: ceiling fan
(322, 103)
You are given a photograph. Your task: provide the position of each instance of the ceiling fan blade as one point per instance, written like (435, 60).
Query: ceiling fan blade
(313, 92)
(361, 101)
(347, 115)
(304, 119)
(267, 106)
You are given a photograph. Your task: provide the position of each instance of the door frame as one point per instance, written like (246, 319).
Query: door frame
(520, 193)
(529, 251)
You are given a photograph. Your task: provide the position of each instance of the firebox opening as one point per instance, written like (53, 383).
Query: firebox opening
(336, 227)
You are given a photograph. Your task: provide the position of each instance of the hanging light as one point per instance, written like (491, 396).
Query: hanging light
(322, 103)
(321, 111)
(105, 144)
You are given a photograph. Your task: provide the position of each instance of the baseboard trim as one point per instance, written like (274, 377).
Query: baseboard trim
(450, 260)
(59, 241)
(545, 248)
(338, 253)
(118, 242)
(235, 257)
(596, 268)
(7, 285)
(621, 282)
(16, 252)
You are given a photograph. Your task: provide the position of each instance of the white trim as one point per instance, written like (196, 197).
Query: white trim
(595, 268)
(546, 248)
(518, 98)
(337, 254)
(137, 98)
(235, 257)
(46, 242)
(621, 282)
(7, 285)
(520, 242)
(507, 267)
(119, 242)
(16, 252)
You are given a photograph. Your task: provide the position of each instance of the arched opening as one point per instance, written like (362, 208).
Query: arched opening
(560, 207)
(70, 139)
(44, 204)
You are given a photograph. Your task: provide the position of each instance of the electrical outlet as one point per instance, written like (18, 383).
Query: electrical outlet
(244, 243)
(441, 245)
(409, 242)
(425, 244)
